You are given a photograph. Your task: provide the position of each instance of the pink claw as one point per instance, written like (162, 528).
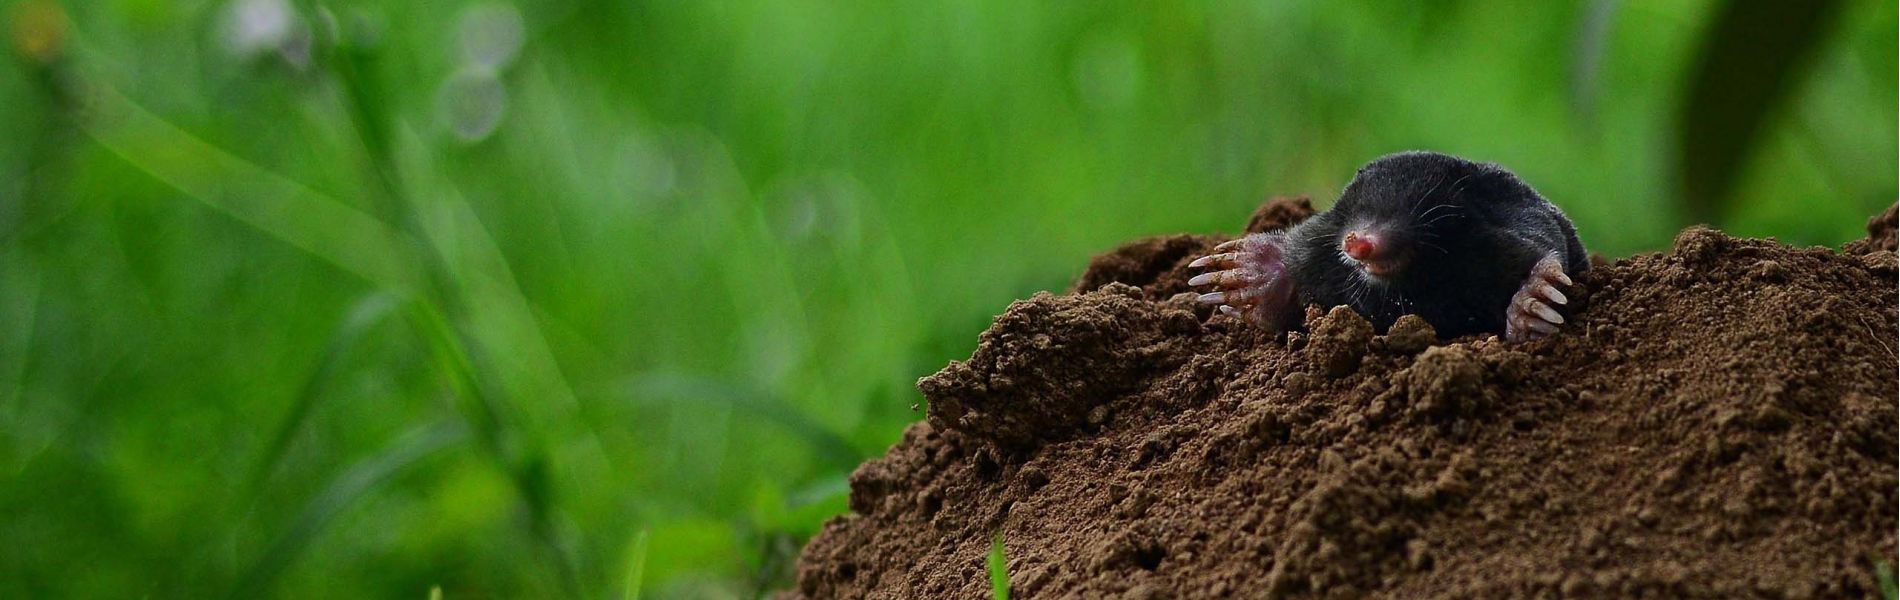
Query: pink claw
(1530, 315)
(1253, 283)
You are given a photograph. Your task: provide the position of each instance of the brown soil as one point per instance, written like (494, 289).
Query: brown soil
(1881, 230)
(1718, 421)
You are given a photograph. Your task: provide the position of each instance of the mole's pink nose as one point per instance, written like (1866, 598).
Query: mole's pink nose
(1360, 245)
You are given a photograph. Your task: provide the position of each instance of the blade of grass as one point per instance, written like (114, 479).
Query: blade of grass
(636, 567)
(526, 467)
(297, 215)
(1883, 572)
(999, 569)
(367, 313)
(497, 335)
(499, 320)
(343, 492)
(27, 284)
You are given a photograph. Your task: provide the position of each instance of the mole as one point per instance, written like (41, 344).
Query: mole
(1466, 246)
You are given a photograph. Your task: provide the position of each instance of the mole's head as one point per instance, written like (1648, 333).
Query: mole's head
(1399, 210)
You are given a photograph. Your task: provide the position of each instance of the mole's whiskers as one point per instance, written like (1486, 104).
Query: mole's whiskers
(1428, 193)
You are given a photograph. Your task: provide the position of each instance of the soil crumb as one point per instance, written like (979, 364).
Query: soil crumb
(1718, 421)
(1280, 213)
(1880, 233)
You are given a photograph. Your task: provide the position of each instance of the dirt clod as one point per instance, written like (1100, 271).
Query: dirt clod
(1410, 335)
(1883, 233)
(1445, 381)
(1339, 341)
(1280, 213)
(1718, 421)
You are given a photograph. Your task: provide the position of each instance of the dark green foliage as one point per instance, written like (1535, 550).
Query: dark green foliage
(1749, 63)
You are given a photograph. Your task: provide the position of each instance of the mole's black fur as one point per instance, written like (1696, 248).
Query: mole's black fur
(1463, 235)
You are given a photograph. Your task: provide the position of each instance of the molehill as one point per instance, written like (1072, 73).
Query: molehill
(1716, 421)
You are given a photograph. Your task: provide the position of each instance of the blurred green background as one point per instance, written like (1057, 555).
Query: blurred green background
(569, 298)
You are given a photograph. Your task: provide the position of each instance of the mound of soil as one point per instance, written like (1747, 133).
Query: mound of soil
(1716, 421)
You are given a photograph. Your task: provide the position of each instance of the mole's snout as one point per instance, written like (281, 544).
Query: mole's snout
(1361, 246)
(1371, 252)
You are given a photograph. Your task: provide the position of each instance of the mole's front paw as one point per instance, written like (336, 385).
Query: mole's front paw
(1531, 314)
(1253, 281)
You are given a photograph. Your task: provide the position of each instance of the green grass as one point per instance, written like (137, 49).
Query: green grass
(999, 569)
(305, 328)
(1883, 575)
(636, 567)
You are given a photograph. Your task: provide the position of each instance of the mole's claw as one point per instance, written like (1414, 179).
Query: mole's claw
(1232, 278)
(1530, 314)
(1223, 260)
(1521, 326)
(1549, 269)
(1545, 311)
(1550, 293)
(1238, 297)
(1528, 304)
(1543, 327)
(1251, 278)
